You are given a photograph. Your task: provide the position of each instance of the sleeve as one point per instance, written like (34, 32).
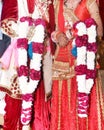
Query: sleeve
(9, 9)
(9, 17)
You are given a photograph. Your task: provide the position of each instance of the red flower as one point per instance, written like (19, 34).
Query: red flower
(23, 71)
(23, 19)
(81, 40)
(92, 47)
(90, 74)
(37, 47)
(81, 69)
(39, 21)
(90, 22)
(35, 75)
(22, 43)
(27, 97)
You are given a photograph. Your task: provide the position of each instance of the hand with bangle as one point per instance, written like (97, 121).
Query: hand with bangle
(62, 39)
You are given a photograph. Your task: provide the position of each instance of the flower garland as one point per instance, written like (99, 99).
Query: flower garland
(85, 41)
(29, 75)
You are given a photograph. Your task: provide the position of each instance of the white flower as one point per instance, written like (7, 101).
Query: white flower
(90, 60)
(81, 55)
(89, 84)
(81, 80)
(36, 61)
(39, 34)
(23, 29)
(81, 28)
(26, 104)
(91, 31)
(22, 56)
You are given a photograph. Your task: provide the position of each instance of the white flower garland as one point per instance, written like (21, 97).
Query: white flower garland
(85, 41)
(29, 76)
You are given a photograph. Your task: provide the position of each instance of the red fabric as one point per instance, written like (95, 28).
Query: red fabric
(69, 119)
(31, 5)
(12, 116)
(67, 109)
(51, 25)
(81, 11)
(41, 117)
(9, 9)
(65, 54)
(61, 17)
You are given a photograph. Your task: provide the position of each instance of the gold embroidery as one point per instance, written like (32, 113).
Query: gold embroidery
(14, 85)
(98, 105)
(7, 27)
(77, 114)
(59, 101)
(87, 123)
(61, 70)
(101, 93)
(68, 82)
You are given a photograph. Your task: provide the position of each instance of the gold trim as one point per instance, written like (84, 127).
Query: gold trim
(6, 26)
(98, 104)
(61, 66)
(68, 87)
(77, 113)
(59, 74)
(59, 99)
(16, 96)
(86, 123)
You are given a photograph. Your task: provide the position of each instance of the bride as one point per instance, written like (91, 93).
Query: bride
(76, 94)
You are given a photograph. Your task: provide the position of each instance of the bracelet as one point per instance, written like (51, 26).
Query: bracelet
(58, 34)
(54, 36)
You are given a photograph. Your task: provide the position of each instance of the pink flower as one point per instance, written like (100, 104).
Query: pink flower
(22, 43)
(83, 103)
(27, 97)
(90, 74)
(23, 71)
(92, 47)
(90, 22)
(81, 69)
(37, 47)
(39, 21)
(23, 19)
(82, 95)
(34, 74)
(81, 40)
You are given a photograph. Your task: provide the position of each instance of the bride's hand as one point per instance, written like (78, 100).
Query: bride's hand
(62, 39)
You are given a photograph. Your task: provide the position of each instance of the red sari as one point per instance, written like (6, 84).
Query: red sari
(41, 110)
